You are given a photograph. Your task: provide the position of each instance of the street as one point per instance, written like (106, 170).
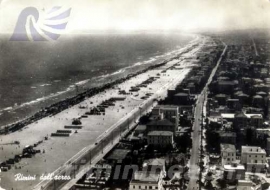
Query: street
(196, 137)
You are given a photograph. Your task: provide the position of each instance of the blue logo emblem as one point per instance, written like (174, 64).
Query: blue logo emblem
(33, 25)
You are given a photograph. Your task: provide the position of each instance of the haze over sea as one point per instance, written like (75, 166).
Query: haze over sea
(36, 74)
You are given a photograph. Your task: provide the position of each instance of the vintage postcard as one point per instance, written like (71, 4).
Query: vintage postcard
(134, 94)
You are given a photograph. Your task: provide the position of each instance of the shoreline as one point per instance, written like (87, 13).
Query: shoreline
(18, 105)
(63, 104)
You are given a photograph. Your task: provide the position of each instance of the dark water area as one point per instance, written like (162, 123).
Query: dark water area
(36, 74)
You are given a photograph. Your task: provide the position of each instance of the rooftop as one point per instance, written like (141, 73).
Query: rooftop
(228, 147)
(118, 154)
(232, 115)
(140, 128)
(233, 100)
(181, 94)
(160, 133)
(162, 122)
(234, 167)
(227, 134)
(149, 174)
(221, 95)
(243, 95)
(244, 183)
(256, 116)
(258, 97)
(252, 149)
(261, 93)
(240, 115)
(145, 176)
(166, 106)
(155, 162)
(223, 82)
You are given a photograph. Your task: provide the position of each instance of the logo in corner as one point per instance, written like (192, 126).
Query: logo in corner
(33, 25)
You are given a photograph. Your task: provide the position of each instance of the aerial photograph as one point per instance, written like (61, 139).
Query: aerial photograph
(135, 94)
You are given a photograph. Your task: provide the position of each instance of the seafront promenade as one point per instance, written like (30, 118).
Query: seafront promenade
(63, 151)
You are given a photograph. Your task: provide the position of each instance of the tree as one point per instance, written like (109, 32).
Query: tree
(145, 119)
(183, 142)
(250, 136)
(213, 141)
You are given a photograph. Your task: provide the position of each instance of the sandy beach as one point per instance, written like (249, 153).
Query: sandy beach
(58, 150)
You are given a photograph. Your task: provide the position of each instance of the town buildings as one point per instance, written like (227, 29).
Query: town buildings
(160, 138)
(169, 112)
(234, 172)
(228, 154)
(150, 177)
(254, 158)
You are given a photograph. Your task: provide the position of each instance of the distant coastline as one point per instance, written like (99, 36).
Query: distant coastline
(71, 101)
(35, 75)
(23, 109)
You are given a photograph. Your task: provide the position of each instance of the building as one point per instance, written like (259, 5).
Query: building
(145, 180)
(226, 87)
(268, 146)
(257, 101)
(175, 181)
(233, 104)
(117, 156)
(234, 171)
(240, 120)
(221, 99)
(243, 98)
(96, 178)
(140, 129)
(160, 138)
(169, 112)
(150, 177)
(191, 87)
(181, 98)
(228, 154)
(254, 158)
(256, 121)
(227, 117)
(171, 92)
(154, 164)
(227, 137)
(161, 125)
(244, 185)
(195, 79)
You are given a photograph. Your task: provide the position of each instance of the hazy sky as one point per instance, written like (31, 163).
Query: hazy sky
(128, 15)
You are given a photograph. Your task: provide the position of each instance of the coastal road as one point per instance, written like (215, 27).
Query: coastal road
(196, 137)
